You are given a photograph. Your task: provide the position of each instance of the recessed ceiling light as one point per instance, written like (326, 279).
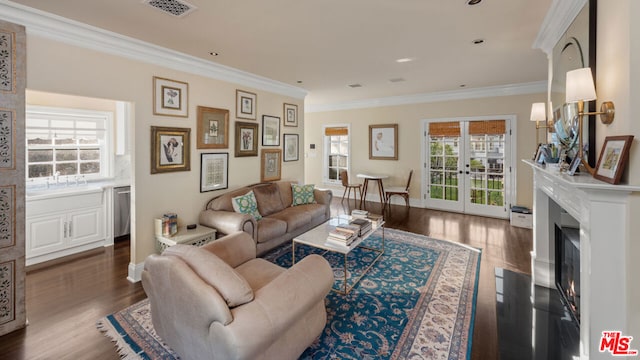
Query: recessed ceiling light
(473, 2)
(463, 85)
(404, 60)
(213, 53)
(355, 85)
(478, 41)
(299, 81)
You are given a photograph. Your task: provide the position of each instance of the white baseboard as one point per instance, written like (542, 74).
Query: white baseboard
(135, 272)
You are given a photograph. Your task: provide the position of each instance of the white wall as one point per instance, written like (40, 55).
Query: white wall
(60, 68)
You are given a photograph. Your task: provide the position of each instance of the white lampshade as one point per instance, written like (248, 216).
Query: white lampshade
(538, 112)
(580, 85)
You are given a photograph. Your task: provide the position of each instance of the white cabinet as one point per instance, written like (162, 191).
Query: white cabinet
(57, 226)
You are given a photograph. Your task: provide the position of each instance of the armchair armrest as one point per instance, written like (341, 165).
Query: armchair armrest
(227, 222)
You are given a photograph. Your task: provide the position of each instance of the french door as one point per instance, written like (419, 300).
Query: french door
(468, 166)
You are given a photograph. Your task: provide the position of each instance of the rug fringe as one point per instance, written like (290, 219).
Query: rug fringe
(124, 351)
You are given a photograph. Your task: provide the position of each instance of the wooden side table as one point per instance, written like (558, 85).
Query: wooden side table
(197, 237)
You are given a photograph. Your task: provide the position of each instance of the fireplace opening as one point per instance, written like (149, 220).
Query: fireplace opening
(567, 243)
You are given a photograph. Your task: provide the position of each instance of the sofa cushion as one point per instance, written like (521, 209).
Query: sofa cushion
(302, 194)
(270, 228)
(299, 216)
(268, 198)
(285, 192)
(229, 283)
(246, 204)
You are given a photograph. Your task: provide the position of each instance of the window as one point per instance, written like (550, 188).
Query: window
(336, 145)
(67, 142)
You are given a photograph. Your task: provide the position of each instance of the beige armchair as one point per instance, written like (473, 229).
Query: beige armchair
(221, 302)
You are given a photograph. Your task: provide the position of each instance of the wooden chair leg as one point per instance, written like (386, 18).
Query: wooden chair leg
(343, 194)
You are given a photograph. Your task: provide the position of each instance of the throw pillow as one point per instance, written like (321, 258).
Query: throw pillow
(302, 194)
(246, 204)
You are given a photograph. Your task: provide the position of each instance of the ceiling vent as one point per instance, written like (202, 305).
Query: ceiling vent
(176, 8)
(355, 85)
(397, 80)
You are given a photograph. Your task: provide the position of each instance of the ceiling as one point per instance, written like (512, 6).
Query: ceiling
(323, 46)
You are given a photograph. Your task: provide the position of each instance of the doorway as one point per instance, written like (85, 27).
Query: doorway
(468, 165)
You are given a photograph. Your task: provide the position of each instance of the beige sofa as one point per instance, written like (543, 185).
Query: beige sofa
(281, 222)
(221, 302)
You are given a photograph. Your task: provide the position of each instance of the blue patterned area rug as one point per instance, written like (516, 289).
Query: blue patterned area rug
(417, 302)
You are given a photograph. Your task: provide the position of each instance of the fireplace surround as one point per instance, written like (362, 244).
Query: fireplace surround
(606, 266)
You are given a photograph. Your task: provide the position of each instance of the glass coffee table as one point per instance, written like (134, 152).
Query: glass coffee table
(317, 238)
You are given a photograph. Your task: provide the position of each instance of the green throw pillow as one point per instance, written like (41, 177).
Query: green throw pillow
(302, 194)
(246, 204)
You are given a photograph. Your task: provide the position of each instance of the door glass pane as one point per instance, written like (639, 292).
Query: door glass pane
(436, 192)
(478, 197)
(451, 162)
(436, 162)
(451, 193)
(496, 198)
(436, 177)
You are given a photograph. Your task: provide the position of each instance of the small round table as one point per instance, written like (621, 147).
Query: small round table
(365, 185)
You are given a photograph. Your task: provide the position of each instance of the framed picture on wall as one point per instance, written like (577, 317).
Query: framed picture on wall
(170, 149)
(383, 142)
(613, 158)
(290, 115)
(246, 139)
(270, 164)
(214, 172)
(270, 130)
(213, 128)
(291, 147)
(246, 105)
(170, 97)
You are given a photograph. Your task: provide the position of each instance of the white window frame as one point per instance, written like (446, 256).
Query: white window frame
(56, 113)
(327, 149)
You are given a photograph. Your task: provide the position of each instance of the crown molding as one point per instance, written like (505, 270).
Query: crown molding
(485, 92)
(558, 19)
(75, 33)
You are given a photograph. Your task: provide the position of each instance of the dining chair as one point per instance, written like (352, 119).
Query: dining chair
(347, 187)
(400, 191)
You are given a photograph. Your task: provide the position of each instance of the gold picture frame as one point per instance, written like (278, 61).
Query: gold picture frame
(170, 149)
(170, 97)
(213, 128)
(270, 164)
(246, 139)
(383, 142)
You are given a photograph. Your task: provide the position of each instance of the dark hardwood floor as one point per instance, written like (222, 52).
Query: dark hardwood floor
(65, 299)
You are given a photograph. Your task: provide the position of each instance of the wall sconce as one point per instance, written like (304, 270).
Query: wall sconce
(581, 88)
(539, 113)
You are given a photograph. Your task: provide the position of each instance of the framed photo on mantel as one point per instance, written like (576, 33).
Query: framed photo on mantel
(613, 158)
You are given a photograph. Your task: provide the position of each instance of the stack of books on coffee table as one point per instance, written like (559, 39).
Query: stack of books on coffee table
(343, 234)
(359, 214)
(363, 225)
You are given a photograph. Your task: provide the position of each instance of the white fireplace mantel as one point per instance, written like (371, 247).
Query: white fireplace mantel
(603, 211)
